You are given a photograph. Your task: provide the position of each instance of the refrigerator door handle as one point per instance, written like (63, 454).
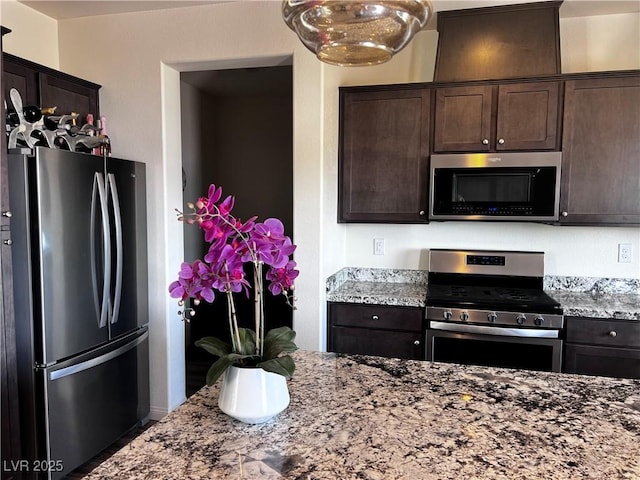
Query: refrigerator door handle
(113, 190)
(72, 369)
(101, 306)
(92, 248)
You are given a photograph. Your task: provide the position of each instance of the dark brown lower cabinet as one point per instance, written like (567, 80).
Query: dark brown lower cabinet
(606, 347)
(382, 330)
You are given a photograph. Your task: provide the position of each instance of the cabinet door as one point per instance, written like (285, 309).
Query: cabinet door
(383, 343)
(383, 157)
(69, 96)
(600, 151)
(22, 78)
(45, 87)
(604, 361)
(387, 331)
(528, 116)
(463, 119)
(9, 379)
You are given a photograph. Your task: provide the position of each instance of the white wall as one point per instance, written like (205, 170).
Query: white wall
(33, 36)
(141, 55)
(609, 42)
(140, 95)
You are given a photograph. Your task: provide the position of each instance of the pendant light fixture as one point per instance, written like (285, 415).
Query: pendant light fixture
(347, 33)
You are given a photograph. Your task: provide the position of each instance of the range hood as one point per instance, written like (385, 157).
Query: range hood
(509, 41)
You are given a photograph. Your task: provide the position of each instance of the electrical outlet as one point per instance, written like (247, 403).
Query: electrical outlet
(624, 253)
(378, 246)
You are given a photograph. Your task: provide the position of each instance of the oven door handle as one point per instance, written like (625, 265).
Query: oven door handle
(500, 331)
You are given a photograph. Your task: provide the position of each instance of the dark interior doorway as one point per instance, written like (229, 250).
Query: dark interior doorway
(237, 132)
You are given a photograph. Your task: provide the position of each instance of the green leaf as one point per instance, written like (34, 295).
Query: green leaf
(220, 365)
(277, 341)
(214, 346)
(284, 366)
(247, 341)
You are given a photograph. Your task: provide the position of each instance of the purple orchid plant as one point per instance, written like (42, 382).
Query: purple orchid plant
(232, 244)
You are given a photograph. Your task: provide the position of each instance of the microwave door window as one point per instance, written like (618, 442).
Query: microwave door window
(491, 188)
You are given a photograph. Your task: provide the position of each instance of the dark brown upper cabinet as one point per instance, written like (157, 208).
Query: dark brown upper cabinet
(504, 117)
(45, 87)
(490, 43)
(601, 151)
(383, 154)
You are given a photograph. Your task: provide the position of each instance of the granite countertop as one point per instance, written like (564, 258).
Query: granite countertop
(579, 296)
(407, 288)
(375, 418)
(596, 297)
(380, 293)
(605, 305)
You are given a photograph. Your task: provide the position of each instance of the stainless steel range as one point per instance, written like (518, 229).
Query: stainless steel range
(489, 308)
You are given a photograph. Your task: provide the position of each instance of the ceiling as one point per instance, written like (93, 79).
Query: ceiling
(258, 81)
(63, 9)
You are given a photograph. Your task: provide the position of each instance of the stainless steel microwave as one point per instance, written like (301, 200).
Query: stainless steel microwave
(518, 186)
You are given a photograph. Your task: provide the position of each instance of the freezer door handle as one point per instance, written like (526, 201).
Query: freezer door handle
(101, 306)
(72, 369)
(112, 189)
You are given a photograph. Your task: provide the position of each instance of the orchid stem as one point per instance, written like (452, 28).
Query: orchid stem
(258, 308)
(233, 324)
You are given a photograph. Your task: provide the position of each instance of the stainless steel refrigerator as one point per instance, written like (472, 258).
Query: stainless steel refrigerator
(81, 307)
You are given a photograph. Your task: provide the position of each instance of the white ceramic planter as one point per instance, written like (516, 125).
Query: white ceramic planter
(252, 395)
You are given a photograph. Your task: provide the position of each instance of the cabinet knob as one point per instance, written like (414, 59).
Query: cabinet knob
(7, 214)
(613, 333)
(416, 342)
(485, 141)
(8, 242)
(564, 214)
(421, 212)
(501, 141)
(374, 317)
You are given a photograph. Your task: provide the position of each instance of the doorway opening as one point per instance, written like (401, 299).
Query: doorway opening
(237, 132)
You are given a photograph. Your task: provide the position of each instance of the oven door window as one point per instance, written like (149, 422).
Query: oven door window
(506, 352)
(507, 191)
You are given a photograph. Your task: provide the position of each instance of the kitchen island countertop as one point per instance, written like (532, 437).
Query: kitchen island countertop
(375, 418)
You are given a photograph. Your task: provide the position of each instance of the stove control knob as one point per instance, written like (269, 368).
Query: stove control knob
(539, 321)
(464, 316)
(492, 317)
(447, 314)
(520, 319)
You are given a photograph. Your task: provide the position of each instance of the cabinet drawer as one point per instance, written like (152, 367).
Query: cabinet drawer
(605, 332)
(376, 316)
(382, 343)
(603, 361)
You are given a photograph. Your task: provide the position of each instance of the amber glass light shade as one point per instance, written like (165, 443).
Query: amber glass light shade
(346, 33)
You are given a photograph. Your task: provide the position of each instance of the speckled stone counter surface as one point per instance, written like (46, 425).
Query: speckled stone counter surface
(356, 417)
(596, 297)
(579, 296)
(380, 286)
